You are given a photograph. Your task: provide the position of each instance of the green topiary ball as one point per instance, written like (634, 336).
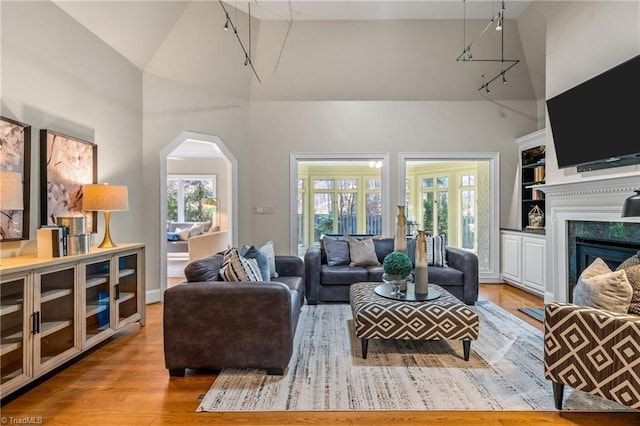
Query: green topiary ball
(397, 265)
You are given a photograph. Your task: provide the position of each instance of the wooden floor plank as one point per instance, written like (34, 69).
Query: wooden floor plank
(124, 382)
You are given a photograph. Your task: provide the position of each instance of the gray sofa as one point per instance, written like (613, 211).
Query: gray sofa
(326, 283)
(209, 323)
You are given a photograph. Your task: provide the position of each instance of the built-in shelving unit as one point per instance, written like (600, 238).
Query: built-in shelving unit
(532, 173)
(52, 309)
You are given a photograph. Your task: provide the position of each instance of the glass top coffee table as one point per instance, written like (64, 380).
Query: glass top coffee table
(387, 290)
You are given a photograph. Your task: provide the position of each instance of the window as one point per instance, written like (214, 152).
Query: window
(185, 195)
(467, 217)
(434, 194)
(337, 197)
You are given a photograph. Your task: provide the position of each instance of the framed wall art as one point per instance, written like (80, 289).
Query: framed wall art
(15, 165)
(66, 163)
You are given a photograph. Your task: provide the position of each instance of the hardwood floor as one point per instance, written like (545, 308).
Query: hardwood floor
(124, 382)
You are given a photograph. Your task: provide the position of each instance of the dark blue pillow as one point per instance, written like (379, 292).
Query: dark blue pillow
(263, 261)
(337, 251)
(172, 236)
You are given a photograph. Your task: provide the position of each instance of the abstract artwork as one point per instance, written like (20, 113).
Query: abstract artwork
(66, 163)
(15, 157)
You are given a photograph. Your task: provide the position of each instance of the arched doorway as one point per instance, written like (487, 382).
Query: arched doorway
(226, 192)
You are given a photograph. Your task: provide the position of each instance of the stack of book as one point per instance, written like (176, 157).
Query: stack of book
(52, 241)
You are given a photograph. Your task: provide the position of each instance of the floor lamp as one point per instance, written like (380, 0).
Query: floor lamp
(105, 198)
(213, 203)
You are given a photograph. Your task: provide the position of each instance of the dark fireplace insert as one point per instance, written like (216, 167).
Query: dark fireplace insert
(613, 242)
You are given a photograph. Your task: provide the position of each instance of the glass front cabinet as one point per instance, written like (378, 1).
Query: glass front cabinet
(14, 330)
(52, 309)
(54, 317)
(96, 309)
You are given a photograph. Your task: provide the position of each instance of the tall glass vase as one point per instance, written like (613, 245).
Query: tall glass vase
(400, 242)
(421, 268)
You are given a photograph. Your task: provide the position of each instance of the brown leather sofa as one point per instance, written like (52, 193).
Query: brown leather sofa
(213, 324)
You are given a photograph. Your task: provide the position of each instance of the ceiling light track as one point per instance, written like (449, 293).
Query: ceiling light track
(247, 54)
(466, 55)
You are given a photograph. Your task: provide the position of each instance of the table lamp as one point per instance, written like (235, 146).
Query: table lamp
(105, 198)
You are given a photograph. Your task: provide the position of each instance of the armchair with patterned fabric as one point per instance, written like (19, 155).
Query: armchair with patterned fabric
(593, 350)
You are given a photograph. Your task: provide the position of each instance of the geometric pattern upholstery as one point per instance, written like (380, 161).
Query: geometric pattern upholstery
(593, 350)
(445, 318)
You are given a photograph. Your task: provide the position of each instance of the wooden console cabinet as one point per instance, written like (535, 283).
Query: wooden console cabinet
(52, 309)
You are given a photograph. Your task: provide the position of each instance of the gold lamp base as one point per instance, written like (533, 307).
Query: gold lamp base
(106, 241)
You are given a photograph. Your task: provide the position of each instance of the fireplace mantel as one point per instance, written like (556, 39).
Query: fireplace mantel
(625, 183)
(598, 199)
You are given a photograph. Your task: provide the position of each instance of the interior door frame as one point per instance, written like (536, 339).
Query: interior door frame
(294, 158)
(232, 171)
(492, 274)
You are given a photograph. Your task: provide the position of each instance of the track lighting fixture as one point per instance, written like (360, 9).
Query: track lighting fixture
(500, 19)
(465, 56)
(247, 54)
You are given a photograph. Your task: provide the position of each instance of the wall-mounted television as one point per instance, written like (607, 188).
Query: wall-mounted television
(596, 124)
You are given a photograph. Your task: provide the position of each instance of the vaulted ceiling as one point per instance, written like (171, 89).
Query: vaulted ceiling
(137, 29)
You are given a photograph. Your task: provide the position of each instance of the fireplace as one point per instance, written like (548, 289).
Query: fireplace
(592, 207)
(613, 242)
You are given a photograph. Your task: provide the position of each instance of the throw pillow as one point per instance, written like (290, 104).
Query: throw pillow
(436, 250)
(362, 252)
(631, 267)
(196, 229)
(237, 268)
(337, 250)
(213, 229)
(183, 234)
(172, 236)
(270, 252)
(411, 248)
(253, 252)
(599, 287)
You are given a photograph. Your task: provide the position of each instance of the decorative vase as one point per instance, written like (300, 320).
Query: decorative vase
(421, 269)
(400, 242)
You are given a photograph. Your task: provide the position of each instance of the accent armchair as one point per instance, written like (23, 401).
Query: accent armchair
(593, 350)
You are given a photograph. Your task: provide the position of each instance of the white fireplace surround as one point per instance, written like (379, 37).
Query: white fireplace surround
(596, 199)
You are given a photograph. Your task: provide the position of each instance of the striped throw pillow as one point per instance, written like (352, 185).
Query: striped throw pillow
(436, 250)
(238, 268)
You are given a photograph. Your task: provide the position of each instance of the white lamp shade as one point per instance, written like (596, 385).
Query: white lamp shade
(11, 191)
(104, 197)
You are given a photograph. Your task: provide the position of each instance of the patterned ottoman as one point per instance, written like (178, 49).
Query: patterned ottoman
(445, 318)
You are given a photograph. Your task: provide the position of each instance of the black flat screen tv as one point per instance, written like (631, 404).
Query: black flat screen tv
(596, 124)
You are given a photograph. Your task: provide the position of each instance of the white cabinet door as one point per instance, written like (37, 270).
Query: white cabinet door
(511, 258)
(533, 254)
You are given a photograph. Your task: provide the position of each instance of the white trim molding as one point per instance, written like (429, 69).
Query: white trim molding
(492, 274)
(597, 199)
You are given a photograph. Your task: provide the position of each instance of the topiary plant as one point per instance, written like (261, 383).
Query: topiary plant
(396, 265)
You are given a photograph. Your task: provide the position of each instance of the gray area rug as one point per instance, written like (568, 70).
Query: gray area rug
(505, 371)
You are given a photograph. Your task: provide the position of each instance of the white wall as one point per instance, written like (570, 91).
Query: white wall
(278, 128)
(58, 76)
